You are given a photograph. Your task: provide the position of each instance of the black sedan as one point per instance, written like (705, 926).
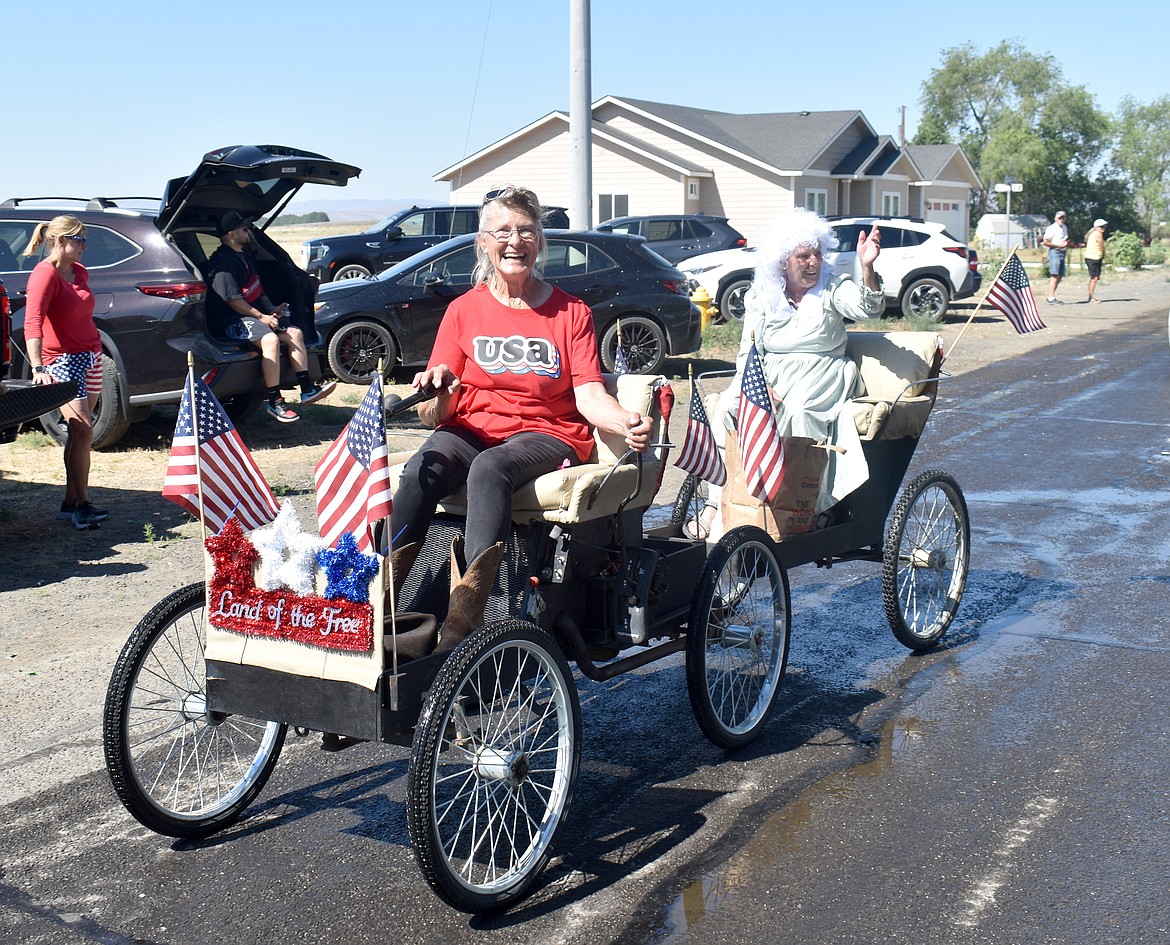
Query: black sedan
(394, 316)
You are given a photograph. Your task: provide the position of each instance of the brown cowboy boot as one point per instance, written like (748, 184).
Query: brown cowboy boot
(469, 593)
(401, 561)
(417, 633)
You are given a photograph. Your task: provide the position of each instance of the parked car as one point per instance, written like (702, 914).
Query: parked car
(144, 258)
(22, 400)
(923, 267)
(394, 317)
(726, 275)
(398, 237)
(678, 236)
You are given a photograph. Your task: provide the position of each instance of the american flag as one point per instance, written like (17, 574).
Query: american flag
(221, 467)
(1011, 293)
(700, 456)
(760, 444)
(353, 477)
(620, 364)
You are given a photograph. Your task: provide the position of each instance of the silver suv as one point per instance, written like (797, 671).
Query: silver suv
(923, 267)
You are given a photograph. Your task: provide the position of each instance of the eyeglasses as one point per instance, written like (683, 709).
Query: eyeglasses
(80, 240)
(527, 234)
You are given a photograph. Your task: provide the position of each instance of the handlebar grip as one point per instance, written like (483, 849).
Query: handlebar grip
(424, 393)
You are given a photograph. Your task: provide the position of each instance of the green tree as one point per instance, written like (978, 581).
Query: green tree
(1143, 154)
(1017, 120)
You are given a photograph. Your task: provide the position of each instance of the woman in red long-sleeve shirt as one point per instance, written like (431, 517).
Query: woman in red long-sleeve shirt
(63, 345)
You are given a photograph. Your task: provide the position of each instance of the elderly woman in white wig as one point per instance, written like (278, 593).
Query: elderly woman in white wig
(796, 311)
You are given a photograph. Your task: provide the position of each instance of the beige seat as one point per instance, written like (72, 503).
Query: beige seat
(897, 394)
(591, 490)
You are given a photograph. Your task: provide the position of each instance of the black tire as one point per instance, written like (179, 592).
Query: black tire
(925, 559)
(110, 422)
(691, 498)
(351, 270)
(180, 769)
(737, 637)
(643, 342)
(243, 406)
(731, 298)
(926, 298)
(493, 766)
(356, 348)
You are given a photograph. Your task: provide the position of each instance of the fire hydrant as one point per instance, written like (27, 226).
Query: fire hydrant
(706, 306)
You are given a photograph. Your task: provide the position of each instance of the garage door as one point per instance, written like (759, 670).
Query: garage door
(950, 214)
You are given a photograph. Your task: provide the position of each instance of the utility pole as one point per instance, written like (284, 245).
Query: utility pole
(580, 118)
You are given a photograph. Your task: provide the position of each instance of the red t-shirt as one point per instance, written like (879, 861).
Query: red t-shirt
(518, 367)
(59, 312)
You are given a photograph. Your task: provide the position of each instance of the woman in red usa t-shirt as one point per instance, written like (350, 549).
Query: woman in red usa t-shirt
(520, 388)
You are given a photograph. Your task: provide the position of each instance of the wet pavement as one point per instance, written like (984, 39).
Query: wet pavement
(1011, 786)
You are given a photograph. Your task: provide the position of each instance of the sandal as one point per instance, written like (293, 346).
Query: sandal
(699, 527)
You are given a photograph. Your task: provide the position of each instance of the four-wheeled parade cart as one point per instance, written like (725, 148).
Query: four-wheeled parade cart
(208, 682)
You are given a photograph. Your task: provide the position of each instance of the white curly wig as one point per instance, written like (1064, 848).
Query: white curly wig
(792, 229)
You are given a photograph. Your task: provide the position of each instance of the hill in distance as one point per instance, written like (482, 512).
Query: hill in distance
(347, 211)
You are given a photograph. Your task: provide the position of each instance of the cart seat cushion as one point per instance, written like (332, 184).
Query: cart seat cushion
(574, 494)
(893, 404)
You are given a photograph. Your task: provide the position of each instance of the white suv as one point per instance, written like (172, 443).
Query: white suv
(922, 267)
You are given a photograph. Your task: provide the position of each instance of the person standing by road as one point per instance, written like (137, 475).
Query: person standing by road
(1056, 242)
(64, 345)
(237, 308)
(1094, 254)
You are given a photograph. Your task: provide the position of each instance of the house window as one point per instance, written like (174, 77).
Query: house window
(612, 205)
(891, 204)
(693, 190)
(817, 201)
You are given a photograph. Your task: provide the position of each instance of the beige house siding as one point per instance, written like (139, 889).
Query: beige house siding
(650, 187)
(537, 161)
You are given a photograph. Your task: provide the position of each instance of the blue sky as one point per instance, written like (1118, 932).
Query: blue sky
(114, 100)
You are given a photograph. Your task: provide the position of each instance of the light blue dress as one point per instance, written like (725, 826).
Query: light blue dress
(803, 353)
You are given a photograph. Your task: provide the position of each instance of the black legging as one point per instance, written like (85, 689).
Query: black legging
(452, 456)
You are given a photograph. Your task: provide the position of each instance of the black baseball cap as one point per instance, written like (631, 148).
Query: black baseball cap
(232, 220)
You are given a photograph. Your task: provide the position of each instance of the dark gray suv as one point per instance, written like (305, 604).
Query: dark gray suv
(398, 237)
(144, 258)
(677, 236)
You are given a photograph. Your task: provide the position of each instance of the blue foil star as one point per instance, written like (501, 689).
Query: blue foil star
(348, 572)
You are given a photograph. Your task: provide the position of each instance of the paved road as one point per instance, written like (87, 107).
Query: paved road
(1010, 787)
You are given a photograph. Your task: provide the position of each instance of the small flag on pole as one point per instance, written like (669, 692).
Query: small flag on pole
(620, 364)
(218, 465)
(353, 477)
(700, 456)
(760, 444)
(1011, 293)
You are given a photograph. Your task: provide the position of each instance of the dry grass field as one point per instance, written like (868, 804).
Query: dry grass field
(291, 237)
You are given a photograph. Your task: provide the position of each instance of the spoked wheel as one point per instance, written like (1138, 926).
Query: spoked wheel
(925, 559)
(690, 502)
(737, 641)
(179, 768)
(493, 766)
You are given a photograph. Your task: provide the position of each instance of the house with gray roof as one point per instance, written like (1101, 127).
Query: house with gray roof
(650, 157)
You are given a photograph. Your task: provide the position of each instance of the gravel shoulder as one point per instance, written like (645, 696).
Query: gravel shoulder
(68, 599)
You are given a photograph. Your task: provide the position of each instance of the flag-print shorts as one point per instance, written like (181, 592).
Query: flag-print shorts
(85, 369)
